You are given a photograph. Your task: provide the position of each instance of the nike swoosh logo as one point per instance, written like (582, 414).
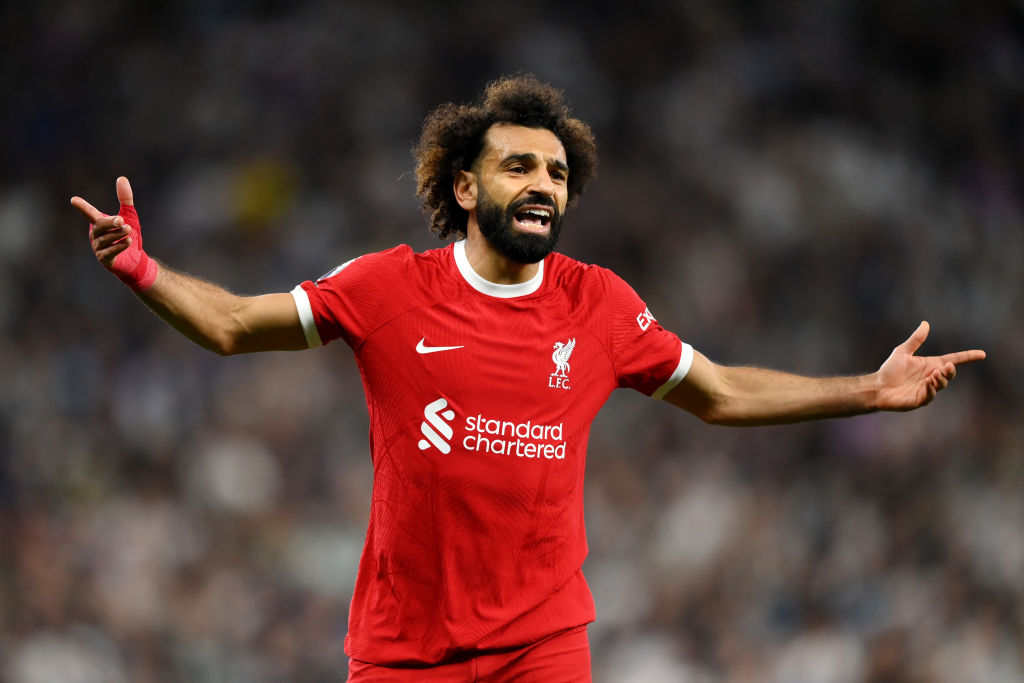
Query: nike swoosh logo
(423, 348)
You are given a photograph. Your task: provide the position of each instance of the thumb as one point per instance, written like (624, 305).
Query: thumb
(915, 340)
(124, 192)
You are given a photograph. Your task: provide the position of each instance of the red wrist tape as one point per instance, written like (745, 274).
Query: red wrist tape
(133, 266)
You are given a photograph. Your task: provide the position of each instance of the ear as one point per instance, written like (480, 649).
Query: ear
(465, 189)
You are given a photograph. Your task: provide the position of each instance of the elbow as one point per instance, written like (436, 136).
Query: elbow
(712, 415)
(233, 335)
(220, 347)
(218, 340)
(706, 393)
(224, 343)
(707, 409)
(719, 409)
(223, 350)
(230, 345)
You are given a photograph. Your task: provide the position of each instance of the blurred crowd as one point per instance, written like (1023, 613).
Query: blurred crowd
(791, 184)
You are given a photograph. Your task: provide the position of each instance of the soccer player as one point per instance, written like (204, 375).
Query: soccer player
(484, 363)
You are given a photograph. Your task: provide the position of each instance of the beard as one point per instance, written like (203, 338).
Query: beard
(497, 225)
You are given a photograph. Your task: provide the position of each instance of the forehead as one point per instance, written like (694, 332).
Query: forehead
(507, 139)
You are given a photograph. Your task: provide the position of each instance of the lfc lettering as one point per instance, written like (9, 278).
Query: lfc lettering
(558, 382)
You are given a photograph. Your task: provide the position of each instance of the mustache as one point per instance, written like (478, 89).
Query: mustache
(534, 199)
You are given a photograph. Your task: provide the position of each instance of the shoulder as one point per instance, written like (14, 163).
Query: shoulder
(568, 273)
(596, 289)
(439, 257)
(388, 263)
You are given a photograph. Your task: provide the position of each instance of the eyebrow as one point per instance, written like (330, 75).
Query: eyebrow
(532, 158)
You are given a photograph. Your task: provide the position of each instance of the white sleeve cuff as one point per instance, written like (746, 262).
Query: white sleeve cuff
(306, 317)
(685, 361)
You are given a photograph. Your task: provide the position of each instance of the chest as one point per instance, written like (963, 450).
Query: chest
(489, 349)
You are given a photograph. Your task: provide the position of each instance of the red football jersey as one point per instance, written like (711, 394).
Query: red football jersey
(480, 399)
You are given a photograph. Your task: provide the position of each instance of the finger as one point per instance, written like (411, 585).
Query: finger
(102, 240)
(108, 254)
(91, 213)
(915, 340)
(108, 225)
(124, 192)
(961, 357)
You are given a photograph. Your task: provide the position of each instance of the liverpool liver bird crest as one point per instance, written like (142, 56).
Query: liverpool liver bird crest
(561, 357)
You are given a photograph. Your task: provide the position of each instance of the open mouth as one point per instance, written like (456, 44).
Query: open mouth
(534, 219)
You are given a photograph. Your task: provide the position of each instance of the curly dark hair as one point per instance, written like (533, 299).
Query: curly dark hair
(453, 137)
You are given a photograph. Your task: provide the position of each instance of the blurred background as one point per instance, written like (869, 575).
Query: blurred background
(793, 184)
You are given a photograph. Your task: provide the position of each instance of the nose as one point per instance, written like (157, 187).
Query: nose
(542, 183)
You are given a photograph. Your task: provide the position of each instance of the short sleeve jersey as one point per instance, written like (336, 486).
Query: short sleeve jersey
(480, 399)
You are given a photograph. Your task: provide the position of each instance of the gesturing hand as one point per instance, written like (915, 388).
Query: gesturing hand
(117, 240)
(906, 381)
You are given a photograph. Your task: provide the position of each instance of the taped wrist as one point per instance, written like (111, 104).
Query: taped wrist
(133, 266)
(143, 276)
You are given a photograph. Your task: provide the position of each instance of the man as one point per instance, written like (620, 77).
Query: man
(484, 363)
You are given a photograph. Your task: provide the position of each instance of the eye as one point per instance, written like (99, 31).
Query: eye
(518, 169)
(558, 175)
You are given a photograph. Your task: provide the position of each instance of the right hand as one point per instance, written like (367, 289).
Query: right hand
(117, 240)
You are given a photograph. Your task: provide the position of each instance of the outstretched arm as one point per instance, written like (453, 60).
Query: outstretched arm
(205, 313)
(754, 396)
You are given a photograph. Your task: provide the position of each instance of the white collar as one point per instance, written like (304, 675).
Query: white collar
(492, 288)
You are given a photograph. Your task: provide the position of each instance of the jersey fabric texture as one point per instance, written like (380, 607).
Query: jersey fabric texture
(562, 657)
(480, 399)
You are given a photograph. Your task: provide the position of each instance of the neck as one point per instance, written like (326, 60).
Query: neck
(493, 266)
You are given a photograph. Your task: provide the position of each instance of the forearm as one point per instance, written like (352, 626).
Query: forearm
(202, 311)
(757, 396)
(750, 396)
(223, 322)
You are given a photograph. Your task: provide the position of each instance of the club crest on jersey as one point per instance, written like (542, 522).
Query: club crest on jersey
(559, 379)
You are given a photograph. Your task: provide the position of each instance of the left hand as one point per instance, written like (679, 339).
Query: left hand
(906, 381)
